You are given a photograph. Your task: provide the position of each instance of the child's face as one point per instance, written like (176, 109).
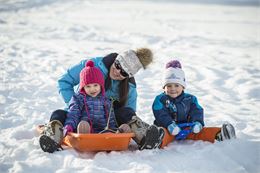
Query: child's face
(92, 89)
(173, 89)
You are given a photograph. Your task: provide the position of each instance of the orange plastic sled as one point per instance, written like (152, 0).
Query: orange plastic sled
(95, 141)
(98, 142)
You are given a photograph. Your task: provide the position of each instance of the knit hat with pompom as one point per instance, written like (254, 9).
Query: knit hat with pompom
(91, 74)
(174, 74)
(132, 61)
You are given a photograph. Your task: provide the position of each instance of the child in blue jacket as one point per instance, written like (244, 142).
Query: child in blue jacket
(174, 107)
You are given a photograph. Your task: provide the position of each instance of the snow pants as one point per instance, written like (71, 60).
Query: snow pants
(206, 134)
(123, 115)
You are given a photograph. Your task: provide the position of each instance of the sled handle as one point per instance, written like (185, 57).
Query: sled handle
(107, 129)
(184, 125)
(186, 129)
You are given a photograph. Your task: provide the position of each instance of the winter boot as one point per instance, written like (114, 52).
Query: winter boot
(153, 138)
(227, 132)
(83, 127)
(51, 137)
(146, 136)
(124, 128)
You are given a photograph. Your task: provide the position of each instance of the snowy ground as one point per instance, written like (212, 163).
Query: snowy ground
(219, 47)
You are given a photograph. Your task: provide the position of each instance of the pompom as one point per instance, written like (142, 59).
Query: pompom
(145, 56)
(90, 63)
(173, 64)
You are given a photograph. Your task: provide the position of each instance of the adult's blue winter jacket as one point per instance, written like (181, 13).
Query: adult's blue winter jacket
(70, 79)
(185, 108)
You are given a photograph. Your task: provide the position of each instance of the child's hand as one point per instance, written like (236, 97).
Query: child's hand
(173, 129)
(197, 127)
(67, 129)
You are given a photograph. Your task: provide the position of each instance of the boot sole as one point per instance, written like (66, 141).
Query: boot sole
(153, 138)
(228, 132)
(161, 136)
(48, 145)
(83, 127)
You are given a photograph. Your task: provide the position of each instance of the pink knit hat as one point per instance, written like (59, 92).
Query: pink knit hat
(91, 74)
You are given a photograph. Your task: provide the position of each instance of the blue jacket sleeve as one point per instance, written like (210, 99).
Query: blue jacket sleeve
(74, 113)
(196, 111)
(161, 114)
(70, 79)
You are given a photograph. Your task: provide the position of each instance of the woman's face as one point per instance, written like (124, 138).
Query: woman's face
(116, 72)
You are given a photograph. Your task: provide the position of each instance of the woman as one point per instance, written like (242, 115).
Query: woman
(119, 71)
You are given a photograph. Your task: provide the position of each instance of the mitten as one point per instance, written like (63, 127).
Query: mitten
(197, 127)
(173, 128)
(67, 129)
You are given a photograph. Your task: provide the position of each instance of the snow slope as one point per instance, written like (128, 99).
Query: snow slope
(219, 47)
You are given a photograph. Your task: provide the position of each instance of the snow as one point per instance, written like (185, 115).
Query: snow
(217, 43)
